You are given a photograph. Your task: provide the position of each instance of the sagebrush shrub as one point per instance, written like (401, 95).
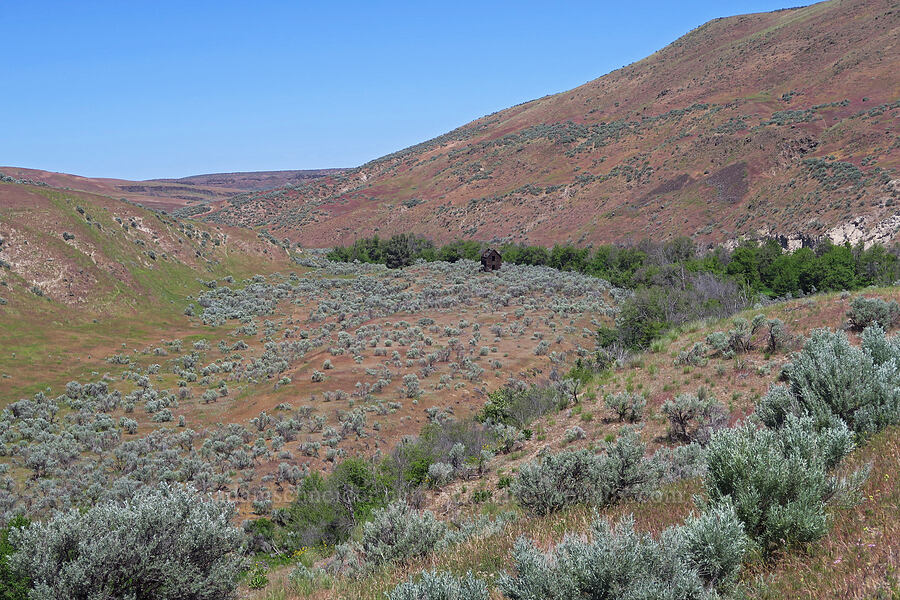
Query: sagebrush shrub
(773, 409)
(617, 562)
(627, 406)
(868, 311)
(681, 462)
(778, 480)
(560, 480)
(832, 381)
(714, 543)
(305, 579)
(398, 533)
(628, 474)
(737, 340)
(439, 474)
(694, 417)
(695, 356)
(583, 477)
(574, 433)
(165, 542)
(777, 336)
(434, 585)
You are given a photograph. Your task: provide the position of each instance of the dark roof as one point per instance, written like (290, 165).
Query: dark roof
(488, 251)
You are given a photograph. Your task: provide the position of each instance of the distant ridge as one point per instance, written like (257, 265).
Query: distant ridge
(172, 194)
(253, 180)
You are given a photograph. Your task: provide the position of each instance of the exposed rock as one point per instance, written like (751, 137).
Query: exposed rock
(859, 230)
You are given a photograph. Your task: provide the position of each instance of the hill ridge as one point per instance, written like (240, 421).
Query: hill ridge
(769, 134)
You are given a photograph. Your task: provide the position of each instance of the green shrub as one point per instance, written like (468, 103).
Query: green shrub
(434, 585)
(13, 583)
(777, 480)
(165, 542)
(326, 509)
(868, 311)
(518, 405)
(258, 578)
(643, 317)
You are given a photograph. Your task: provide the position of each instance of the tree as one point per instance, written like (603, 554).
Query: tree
(838, 268)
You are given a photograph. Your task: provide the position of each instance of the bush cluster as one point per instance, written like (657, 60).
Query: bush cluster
(584, 477)
(687, 562)
(164, 543)
(836, 383)
(435, 585)
(694, 418)
(868, 311)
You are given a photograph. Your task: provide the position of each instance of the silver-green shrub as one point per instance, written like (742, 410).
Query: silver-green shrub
(868, 311)
(439, 474)
(777, 479)
(165, 542)
(833, 381)
(714, 543)
(398, 532)
(695, 356)
(616, 562)
(627, 406)
(583, 477)
(559, 480)
(435, 585)
(694, 417)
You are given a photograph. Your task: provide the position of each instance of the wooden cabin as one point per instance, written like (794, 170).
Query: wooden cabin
(491, 260)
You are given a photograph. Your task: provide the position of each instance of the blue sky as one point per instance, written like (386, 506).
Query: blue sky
(166, 89)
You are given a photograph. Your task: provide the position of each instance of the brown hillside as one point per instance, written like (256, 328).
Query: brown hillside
(776, 123)
(170, 194)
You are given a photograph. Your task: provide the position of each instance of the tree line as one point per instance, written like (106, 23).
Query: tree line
(762, 267)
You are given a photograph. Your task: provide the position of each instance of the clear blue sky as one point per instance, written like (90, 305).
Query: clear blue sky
(140, 90)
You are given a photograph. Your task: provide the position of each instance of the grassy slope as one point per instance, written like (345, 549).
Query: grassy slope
(858, 557)
(101, 289)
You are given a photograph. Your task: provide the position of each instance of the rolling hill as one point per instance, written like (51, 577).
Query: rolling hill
(94, 252)
(772, 124)
(170, 194)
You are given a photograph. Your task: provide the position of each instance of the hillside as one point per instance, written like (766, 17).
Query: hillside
(779, 123)
(170, 194)
(856, 559)
(195, 359)
(80, 272)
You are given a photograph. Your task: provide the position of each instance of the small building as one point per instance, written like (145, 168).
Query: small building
(491, 260)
